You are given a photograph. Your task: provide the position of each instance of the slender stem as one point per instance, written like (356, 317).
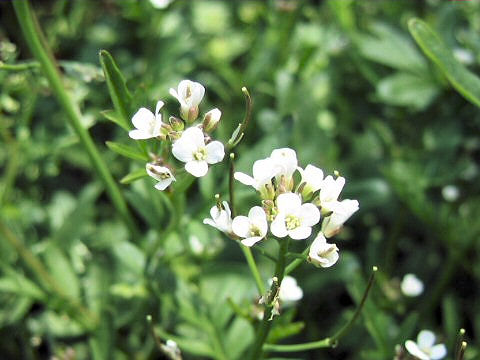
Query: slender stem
(248, 109)
(459, 341)
(230, 184)
(266, 324)
(74, 308)
(253, 269)
(152, 332)
(297, 262)
(34, 38)
(346, 328)
(20, 66)
(461, 351)
(329, 341)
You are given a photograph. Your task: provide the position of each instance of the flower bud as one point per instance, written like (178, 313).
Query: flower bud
(211, 120)
(176, 123)
(189, 114)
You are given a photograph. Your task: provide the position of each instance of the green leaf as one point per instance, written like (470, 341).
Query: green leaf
(238, 337)
(133, 176)
(62, 270)
(126, 150)
(406, 89)
(464, 81)
(117, 87)
(113, 116)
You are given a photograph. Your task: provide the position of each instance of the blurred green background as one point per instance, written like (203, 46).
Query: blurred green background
(342, 82)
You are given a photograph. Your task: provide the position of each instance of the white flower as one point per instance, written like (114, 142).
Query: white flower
(191, 149)
(411, 285)
(293, 218)
(221, 218)
(424, 348)
(211, 120)
(252, 228)
(160, 4)
(312, 177)
(330, 190)
(147, 125)
(341, 212)
(189, 95)
(263, 172)
(160, 173)
(321, 253)
(289, 290)
(286, 161)
(450, 193)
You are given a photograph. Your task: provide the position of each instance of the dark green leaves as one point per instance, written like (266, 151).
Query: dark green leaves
(464, 81)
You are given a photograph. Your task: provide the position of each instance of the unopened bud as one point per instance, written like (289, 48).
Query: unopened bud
(174, 135)
(189, 114)
(211, 120)
(176, 123)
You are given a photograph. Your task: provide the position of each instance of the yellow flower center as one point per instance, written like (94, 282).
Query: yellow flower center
(255, 231)
(201, 154)
(292, 222)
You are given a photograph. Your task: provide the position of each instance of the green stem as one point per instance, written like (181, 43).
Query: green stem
(329, 341)
(266, 324)
(297, 262)
(253, 269)
(34, 38)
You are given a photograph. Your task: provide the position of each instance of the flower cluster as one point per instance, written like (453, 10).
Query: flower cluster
(192, 146)
(291, 206)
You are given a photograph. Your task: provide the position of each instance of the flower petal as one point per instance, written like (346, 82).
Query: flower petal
(163, 184)
(438, 352)
(300, 233)
(414, 350)
(160, 104)
(215, 152)
(139, 134)
(142, 118)
(197, 168)
(244, 179)
(278, 227)
(425, 339)
(194, 136)
(251, 240)
(241, 226)
(289, 203)
(309, 214)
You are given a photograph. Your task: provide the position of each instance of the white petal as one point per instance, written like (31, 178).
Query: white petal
(210, 222)
(197, 95)
(183, 151)
(197, 168)
(163, 184)
(215, 152)
(309, 214)
(289, 290)
(438, 352)
(142, 118)
(331, 189)
(139, 134)
(300, 233)
(263, 171)
(160, 104)
(313, 176)
(241, 226)
(257, 217)
(289, 203)
(278, 227)
(174, 93)
(251, 240)
(414, 350)
(287, 159)
(194, 136)
(425, 339)
(244, 179)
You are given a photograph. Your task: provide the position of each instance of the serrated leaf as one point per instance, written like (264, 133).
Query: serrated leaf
(126, 150)
(134, 176)
(117, 87)
(464, 81)
(113, 116)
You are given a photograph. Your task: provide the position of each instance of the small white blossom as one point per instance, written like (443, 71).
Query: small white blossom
(450, 193)
(160, 173)
(289, 290)
(263, 172)
(189, 94)
(160, 4)
(312, 177)
(221, 218)
(211, 120)
(322, 253)
(147, 125)
(293, 218)
(330, 190)
(341, 212)
(252, 228)
(285, 160)
(191, 149)
(411, 285)
(424, 348)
